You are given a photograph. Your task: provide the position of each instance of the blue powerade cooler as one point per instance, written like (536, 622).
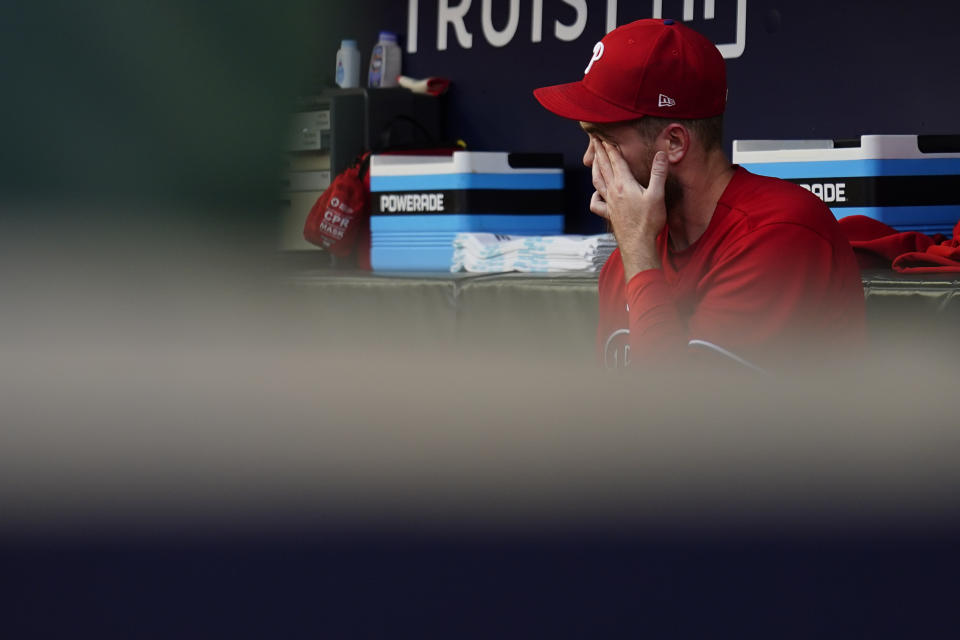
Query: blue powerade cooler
(911, 183)
(420, 203)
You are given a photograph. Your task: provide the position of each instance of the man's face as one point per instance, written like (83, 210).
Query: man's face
(637, 150)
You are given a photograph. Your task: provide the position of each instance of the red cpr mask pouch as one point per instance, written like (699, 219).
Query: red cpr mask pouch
(341, 213)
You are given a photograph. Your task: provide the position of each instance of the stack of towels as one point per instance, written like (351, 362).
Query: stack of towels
(494, 252)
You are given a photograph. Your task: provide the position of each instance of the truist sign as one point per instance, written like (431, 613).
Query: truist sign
(560, 20)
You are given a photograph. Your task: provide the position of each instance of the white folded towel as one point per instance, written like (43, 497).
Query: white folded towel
(489, 252)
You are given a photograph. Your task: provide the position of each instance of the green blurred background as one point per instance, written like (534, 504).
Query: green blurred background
(152, 115)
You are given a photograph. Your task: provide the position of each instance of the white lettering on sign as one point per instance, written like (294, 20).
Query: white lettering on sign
(828, 191)
(570, 32)
(500, 38)
(611, 15)
(447, 16)
(411, 202)
(452, 13)
(536, 24)
(413, 20)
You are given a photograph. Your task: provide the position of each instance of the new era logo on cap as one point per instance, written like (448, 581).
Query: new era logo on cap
(666, 101)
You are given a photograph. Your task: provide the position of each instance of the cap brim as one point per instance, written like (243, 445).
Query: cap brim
(574, 101)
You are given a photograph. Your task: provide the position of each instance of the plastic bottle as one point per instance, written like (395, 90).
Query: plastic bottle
(348, 65)
(384, 61)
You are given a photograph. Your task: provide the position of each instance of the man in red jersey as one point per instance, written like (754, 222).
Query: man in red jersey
(712, 261)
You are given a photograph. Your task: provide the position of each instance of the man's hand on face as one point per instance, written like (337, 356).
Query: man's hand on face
(636, 214)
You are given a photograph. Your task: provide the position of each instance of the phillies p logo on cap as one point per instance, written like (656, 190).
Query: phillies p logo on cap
(597, 54)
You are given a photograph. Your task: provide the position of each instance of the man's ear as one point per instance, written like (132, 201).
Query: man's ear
(675, 140)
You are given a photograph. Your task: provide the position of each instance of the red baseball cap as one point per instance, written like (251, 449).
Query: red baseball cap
(645, 68)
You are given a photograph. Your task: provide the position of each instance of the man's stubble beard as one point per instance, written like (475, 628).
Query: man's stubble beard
(672, 193)
(672, 189)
